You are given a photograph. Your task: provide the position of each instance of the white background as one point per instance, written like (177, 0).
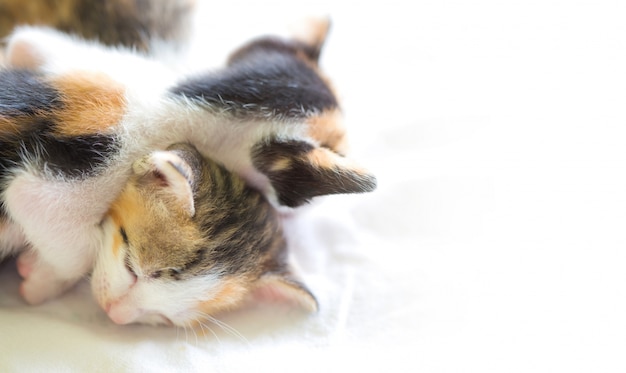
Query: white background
(498, 131)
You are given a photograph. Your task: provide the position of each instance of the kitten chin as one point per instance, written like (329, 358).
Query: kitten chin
(187, 239)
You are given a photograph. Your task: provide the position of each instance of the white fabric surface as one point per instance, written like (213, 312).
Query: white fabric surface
(495, 242)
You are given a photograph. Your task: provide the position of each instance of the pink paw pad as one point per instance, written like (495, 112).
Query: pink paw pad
(40, 282)
(25, 264)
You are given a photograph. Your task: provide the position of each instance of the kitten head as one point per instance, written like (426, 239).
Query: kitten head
(187, 239)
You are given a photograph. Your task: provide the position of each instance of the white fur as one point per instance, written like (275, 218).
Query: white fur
(61, 218)
(59, 53)
(12, 239)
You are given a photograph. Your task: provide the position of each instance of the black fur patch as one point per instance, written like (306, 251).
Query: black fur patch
(302, 180)
(237, 221)
(24, 93)
(266, 82)
(74, 156)
(28, 103)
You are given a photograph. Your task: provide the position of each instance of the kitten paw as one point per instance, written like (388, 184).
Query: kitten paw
(40, 281)
(25, 263)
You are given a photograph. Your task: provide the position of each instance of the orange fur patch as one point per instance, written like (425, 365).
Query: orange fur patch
(322, 158)
(326, 159)
(231, 293)
(10, 125)
(117, 242)
(280, 164)
(92, 103)
(126, 207)
(329, 131)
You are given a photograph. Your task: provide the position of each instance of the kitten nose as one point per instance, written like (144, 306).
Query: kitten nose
(121, 313)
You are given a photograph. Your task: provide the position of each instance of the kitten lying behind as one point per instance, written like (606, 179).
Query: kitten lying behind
(270, 114)
(133, 23)
(186, 239)
(75, 115)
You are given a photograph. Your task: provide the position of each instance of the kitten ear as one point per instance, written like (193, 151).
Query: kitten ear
(307, 42)
(285, 288)
(21, 52)
(312, 32)
(299, 171)
(169, 172)
(33, 47)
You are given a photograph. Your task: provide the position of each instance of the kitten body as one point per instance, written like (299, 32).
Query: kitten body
(75, 115)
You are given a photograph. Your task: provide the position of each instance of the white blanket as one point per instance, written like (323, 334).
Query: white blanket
(494, 243)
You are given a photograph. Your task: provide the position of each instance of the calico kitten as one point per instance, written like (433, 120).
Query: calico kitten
(186, 239)
(270, 115)
(133, 23)
(75, 115)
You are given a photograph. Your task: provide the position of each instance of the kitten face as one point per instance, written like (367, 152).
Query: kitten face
(186, 239)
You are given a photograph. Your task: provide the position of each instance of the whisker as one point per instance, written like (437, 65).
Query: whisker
(186, 335)
(193, 330)
(203, 325)
(197, 317)
(227, 328)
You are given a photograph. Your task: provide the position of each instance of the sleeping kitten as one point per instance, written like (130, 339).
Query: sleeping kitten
(186, 239)
(133, 23)
(73, 123)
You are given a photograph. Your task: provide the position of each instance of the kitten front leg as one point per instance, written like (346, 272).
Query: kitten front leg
(62, 236)
(25, 263)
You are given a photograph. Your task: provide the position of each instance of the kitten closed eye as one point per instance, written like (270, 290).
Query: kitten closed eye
(129, 267)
